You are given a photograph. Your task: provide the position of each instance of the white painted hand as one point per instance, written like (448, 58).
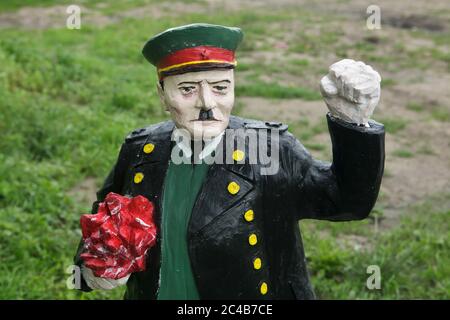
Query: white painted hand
(101, 283)
(351, 90)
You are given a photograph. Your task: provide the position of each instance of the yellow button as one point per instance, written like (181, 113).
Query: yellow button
(148, 148)
(138, 177)
(252, 239)
(233, 187)
(238, 155)
(249, 215)
(263, 288)
(257, 263)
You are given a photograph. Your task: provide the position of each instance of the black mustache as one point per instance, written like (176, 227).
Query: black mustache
(206, 115)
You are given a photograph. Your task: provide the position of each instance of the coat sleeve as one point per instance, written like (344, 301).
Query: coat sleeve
(113, 183)
(345, 189)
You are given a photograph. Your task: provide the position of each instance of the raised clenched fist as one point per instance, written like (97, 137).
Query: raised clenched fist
(351, 90)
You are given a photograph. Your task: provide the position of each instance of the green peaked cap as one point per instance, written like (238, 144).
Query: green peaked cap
(188, 36)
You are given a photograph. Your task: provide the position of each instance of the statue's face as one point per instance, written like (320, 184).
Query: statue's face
(200, 102)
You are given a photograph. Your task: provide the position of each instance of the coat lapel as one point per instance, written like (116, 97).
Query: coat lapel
(214, 198)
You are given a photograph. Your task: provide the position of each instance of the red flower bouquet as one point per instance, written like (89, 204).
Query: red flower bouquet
(117, 238)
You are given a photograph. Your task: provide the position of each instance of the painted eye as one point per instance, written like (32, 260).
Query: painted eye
(187, 89)
(220, 88)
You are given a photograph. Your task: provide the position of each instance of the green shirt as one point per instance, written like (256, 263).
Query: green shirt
(181, 186)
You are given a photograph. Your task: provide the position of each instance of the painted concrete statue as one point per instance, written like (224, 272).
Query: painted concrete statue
(228, 229)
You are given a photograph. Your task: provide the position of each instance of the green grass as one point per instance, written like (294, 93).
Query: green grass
(303, 42)
(413, 257)
(16, 4)
(306, 131)
(275, 90)
(393, 125)
(387, 82)
(441, 113)
(415, 106)
(68, 98)
(401, 153)
(299, 62)
(112, 6)
(436, 112)
(315, 146)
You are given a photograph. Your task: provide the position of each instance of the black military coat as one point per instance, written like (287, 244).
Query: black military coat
(223, 241)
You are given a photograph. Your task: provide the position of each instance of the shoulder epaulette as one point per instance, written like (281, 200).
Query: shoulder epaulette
(269, 125)
(138, 134)
(160, 129)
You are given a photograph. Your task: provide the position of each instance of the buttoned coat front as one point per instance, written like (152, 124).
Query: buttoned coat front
(246, 244)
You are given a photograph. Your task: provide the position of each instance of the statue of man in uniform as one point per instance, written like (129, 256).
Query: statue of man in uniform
(228, 230)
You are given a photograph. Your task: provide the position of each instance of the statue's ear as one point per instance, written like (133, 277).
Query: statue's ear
(161, 95)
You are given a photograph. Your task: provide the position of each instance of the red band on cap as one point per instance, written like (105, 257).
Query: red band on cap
(194, 55)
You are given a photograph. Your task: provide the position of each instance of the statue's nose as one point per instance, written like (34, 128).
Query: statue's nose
(206, 96)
